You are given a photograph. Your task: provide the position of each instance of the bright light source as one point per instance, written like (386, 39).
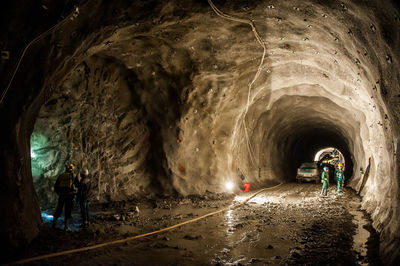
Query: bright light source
(33, 155)
(229, 185)
(47, 217)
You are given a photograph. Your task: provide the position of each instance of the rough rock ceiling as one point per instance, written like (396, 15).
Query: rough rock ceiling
(330, 78)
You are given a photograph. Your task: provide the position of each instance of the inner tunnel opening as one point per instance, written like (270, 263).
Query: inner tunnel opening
(293, 134)
(303, 142)
(331, 154)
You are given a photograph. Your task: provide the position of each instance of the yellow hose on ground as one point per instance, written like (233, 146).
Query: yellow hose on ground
(119, 241)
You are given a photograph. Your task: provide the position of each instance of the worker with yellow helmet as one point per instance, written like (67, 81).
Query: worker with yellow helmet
(339, 177)
(65, 187)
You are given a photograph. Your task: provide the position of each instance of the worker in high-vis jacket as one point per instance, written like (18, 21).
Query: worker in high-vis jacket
(66, 188)
(325, 180)
(339, 177)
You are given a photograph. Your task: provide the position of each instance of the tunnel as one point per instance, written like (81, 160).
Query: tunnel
(171, 99)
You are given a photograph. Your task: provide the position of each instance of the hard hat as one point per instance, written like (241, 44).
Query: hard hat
(70, 167)
(340, 164)
(85, 171)
(326, 168)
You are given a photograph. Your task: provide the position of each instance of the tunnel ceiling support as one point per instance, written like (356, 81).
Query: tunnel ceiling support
(329, 71)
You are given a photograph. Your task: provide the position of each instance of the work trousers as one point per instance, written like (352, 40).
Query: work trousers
(339, 185)
(325, 185)
(67, 201)
(84, 206)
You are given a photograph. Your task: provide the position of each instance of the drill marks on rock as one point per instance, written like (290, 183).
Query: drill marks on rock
(263, 45)
(315, 57)
(107, 134)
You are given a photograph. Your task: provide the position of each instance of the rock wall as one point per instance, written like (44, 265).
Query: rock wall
(330, 78)
(92, 120)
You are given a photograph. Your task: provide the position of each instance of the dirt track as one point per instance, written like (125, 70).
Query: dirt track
(289, 225)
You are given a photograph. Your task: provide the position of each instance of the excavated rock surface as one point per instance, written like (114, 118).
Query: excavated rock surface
(330, 78)
(92, 120)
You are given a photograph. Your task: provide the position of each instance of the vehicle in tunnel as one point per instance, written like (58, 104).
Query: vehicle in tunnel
(309, 171)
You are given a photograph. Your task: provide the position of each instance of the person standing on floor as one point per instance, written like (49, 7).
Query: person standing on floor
(325, 181)
(83, 196)
(339, 177)
(66, 188)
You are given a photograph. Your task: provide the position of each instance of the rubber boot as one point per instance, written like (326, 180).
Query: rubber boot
(66, 226)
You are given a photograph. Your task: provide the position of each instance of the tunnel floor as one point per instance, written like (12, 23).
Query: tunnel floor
(289, 225)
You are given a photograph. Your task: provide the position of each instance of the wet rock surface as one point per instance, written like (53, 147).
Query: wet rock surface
(330, 77)
(289, 225)
(93, 120)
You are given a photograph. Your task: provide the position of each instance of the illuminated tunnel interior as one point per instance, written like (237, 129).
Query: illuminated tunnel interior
(298, 133)
(169, 99)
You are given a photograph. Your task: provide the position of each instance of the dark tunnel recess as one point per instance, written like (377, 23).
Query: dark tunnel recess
(301, 146)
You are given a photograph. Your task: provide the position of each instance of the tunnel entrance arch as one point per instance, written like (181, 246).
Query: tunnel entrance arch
(330, 155)
(295, 128)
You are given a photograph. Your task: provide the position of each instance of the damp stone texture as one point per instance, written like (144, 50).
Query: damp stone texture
(159, 97)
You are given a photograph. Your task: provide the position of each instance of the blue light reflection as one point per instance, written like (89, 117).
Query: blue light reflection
(47, 217)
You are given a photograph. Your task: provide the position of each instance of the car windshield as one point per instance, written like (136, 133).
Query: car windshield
(308, 165)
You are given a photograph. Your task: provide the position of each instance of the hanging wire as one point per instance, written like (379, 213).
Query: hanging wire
(263, 45)
(41, 36)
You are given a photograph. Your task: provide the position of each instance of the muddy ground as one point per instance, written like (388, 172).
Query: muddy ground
(288, 225)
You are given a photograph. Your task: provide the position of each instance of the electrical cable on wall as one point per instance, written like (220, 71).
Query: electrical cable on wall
(262, 43)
